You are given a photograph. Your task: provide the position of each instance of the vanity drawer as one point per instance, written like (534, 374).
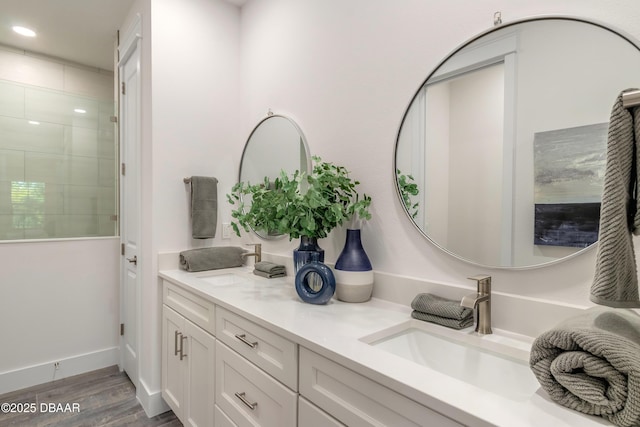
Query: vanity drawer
(274, 354)
(249, 396)
(358, 401)
(197, 309)
(221, 419)
(309, 415)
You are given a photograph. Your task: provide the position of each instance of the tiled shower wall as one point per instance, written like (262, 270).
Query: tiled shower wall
(57, 163)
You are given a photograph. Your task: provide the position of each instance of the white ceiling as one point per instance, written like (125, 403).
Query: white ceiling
(82, 31)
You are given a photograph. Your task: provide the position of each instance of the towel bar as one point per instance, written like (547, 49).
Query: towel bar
(187, 180)
(631, 98)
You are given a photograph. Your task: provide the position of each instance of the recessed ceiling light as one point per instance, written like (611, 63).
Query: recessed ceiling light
(24, 31)
(80, 110)
(33, 122)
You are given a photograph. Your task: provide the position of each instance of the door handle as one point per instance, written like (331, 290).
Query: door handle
(133, 260)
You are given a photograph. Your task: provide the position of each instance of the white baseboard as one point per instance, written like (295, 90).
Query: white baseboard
(152, 402)
(46, 372)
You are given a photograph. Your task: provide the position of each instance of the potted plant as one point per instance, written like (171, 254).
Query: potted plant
(304, 206)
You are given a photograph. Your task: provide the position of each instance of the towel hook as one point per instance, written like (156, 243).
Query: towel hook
(497, 18)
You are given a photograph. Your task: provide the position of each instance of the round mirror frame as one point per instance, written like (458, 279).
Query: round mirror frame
(499, 26)
(304, 144)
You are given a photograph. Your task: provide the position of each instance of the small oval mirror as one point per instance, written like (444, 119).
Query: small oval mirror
(276, 144)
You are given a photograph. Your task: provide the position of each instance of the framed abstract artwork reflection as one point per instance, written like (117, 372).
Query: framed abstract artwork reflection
(569, 167)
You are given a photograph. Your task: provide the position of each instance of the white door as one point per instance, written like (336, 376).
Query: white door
(129, 68)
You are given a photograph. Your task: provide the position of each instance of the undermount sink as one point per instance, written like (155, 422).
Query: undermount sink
(222, 278)
(498, 363)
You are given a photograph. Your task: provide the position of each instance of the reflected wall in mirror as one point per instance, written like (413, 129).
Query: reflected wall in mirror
(276, 144)
(504, 141)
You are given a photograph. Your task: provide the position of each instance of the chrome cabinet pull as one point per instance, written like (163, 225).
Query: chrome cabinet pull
(244, 400)
(175, 343)
(182, 353)
(244, 339)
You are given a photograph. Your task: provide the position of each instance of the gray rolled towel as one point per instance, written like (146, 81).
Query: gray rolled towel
(211, 258)
(591, 363)
(269, 269)
(441, 307)
(444, 321)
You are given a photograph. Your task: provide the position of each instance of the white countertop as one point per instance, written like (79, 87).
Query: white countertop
(334, 331)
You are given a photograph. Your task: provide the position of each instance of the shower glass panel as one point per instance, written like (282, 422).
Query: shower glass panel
(58, 155)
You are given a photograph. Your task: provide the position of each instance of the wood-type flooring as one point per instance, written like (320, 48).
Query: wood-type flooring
(105, 397)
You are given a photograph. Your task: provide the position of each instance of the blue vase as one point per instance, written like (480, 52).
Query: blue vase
(315, 282)
(302, 255)
(353, 271)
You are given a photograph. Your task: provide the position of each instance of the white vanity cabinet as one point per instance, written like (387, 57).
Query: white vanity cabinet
(309, 415)
(256, 373)
(269, 351)
(356, 400)
(188, 356)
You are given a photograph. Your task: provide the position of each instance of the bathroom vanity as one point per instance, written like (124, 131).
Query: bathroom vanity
(239, 349)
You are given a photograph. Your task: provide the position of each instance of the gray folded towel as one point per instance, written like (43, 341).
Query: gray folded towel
(269, 269)
(211, 258)
(591, 363)
(204, 207)
(444, 321)
(443, 311)
(442, 307)
(268, 275)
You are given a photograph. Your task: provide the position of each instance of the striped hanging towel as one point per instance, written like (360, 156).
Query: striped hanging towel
(616, 281)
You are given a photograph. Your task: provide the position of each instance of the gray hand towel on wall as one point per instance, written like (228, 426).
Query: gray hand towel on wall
(211, 258)
(269, 269)
(616, 282)
(204, 207)
(591, 363)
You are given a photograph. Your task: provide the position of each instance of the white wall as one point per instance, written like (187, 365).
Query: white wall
(190, 92)
(59, 303)
(347, 69)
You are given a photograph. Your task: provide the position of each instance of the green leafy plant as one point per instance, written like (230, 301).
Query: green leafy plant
(408, 189)
(299, 204)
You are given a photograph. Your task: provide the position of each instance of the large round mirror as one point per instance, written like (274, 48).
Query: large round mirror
(276, 144)
(500, 155)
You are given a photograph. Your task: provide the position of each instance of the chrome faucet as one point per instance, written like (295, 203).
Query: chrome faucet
(256, 253)
(481, 302)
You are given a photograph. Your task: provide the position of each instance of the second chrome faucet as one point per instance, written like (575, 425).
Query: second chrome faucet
(481, 303)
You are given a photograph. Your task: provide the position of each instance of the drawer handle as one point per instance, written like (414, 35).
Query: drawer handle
(244, 400)
(182, 353)
(244, 339)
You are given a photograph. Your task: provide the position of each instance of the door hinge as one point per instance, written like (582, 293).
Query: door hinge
(122, 169)
(122, 88)
(121, 248)
(121, 328)
(113, 119)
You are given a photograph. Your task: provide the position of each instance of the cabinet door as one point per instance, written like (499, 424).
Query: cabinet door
(172, 367)
(200, 376)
